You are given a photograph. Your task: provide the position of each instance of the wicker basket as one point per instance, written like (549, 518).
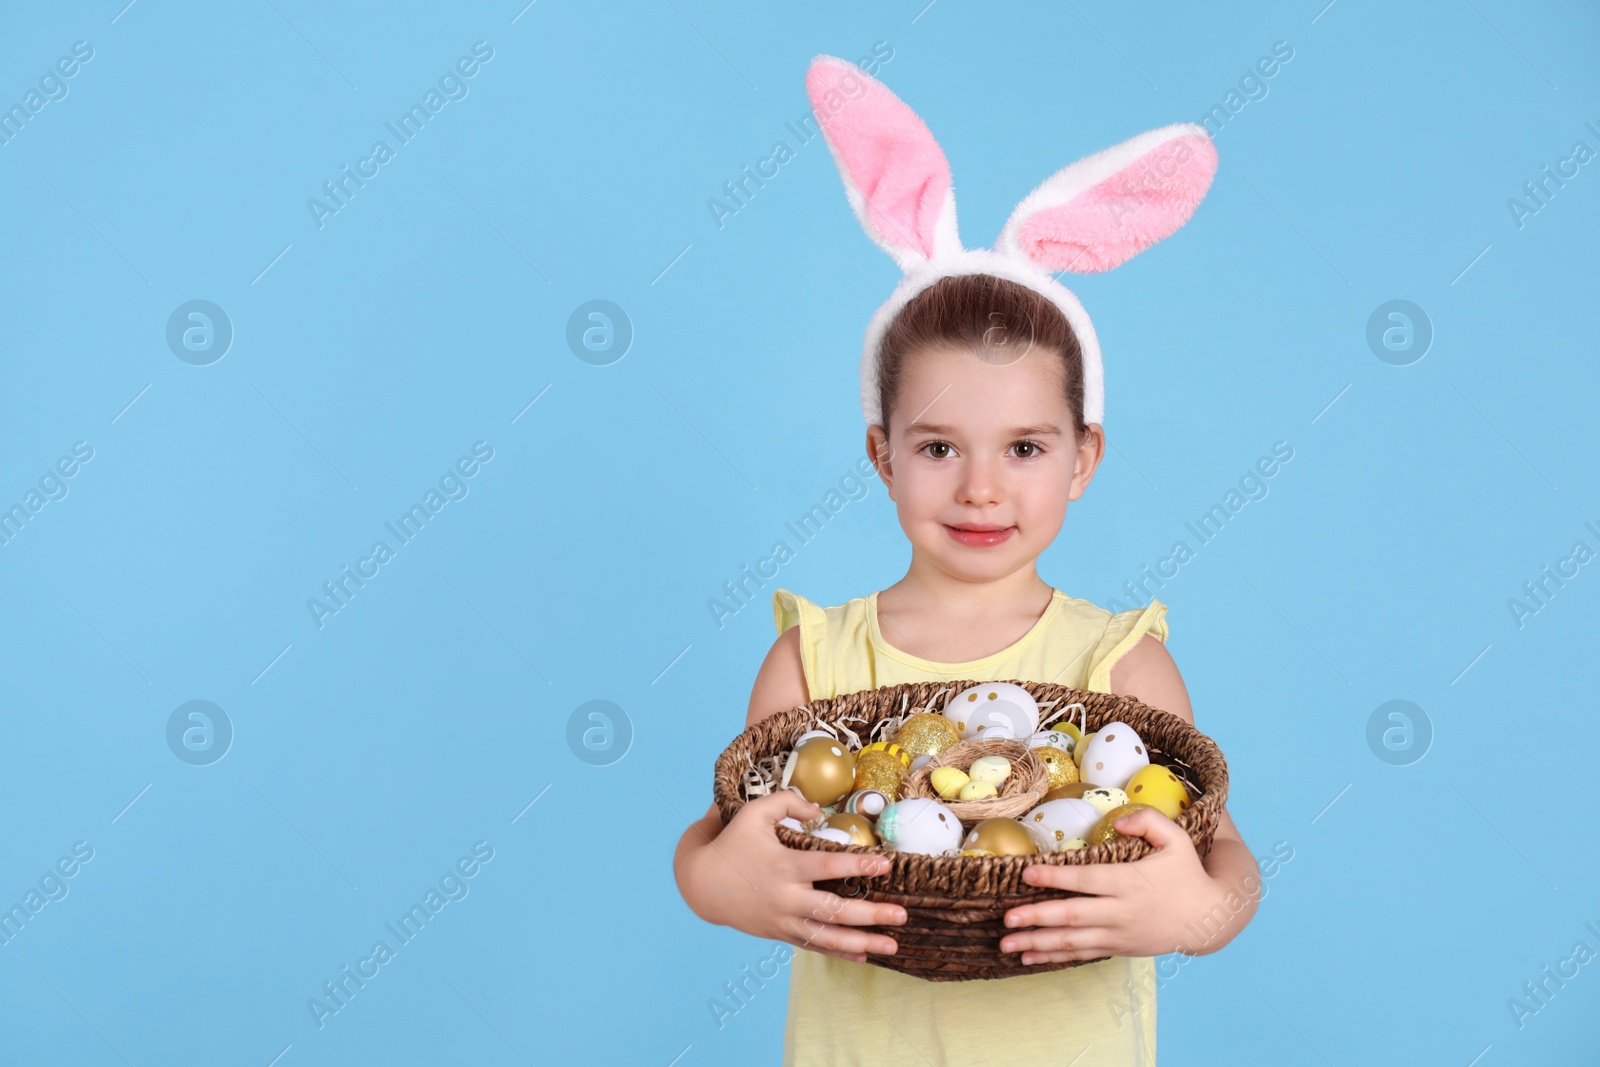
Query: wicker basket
(955, 905)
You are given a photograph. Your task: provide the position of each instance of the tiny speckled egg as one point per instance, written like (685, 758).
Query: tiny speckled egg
(1113, 756)
(994, 769)
(1072, 844)
(1003, 837)
(1104, 798)
(947, 781)
(979, 711)
(1158, 787)
(920, 825)
(979, 789)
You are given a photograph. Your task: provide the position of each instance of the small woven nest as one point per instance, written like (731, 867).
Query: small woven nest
(955, 905)
(1019, 794)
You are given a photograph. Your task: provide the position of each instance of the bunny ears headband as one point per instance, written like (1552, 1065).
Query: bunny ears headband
(1091, 216)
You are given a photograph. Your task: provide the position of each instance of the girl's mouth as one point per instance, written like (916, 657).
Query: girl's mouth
(979, 536)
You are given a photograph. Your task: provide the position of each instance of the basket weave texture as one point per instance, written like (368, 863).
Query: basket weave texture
(955, 905)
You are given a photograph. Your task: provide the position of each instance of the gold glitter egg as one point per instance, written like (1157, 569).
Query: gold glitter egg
(821, 769)
(1103, 830)
(881, 771)
(926, 734)
(1057, 765)
(1003, 837)
(1158, 787)
(891, 748)
(857, 826)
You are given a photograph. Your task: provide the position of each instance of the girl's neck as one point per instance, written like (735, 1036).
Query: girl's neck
(926, 590)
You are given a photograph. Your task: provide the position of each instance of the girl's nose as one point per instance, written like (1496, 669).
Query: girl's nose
(980, 483)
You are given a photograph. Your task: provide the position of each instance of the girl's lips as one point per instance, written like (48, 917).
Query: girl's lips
(980, 538)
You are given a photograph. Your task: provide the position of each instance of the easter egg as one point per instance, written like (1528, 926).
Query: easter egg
(1103, 830)
(979, 711)
(1072, 844)
(1113, 755)
(1003, 837)
(892, 749)
(793, 824)
(1053, 738)
(857, 826)
(978, 789)
(947, 781)
(1158, 787)
(927, 734)
(1104, 798)
(1074, 790)
(822, 770)
(920, 825)
(868, 802)
(1079, 748)
(994, 769)
(1058, 766)
(879, 770)
(809, 734)
(831, 833)
(974, 852)
(1057, 821)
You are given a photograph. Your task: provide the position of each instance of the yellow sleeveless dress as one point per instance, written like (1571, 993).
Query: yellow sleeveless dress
(842, 1013)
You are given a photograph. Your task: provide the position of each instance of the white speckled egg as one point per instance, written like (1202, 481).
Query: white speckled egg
(920, 825)
(978, 711)
(1057, 821)
(1113, 755)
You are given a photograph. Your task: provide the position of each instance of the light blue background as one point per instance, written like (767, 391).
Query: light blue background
(428, 313)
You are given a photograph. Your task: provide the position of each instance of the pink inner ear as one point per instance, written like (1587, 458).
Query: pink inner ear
(1111, 222)
(885, 151)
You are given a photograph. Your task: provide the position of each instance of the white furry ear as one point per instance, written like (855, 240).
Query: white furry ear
(895, 174)
(1105, 209)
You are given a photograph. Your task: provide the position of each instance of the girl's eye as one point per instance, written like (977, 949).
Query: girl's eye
(935, 444)
(1033, 445)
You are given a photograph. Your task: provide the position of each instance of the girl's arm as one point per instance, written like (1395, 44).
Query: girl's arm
(1168, 901)
(741, 875)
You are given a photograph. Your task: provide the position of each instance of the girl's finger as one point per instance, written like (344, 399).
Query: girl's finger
(808, 933)
(1073, 911)
(821, 865)
(1088, 940)
(832, 908)
(1096, 878)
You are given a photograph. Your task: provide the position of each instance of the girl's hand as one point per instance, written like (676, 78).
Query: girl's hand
(747, 879)
(1143, 908)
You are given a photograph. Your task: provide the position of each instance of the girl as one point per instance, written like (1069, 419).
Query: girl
(981, 384)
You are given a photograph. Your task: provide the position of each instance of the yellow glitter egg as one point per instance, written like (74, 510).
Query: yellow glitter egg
(1003, 837)
(926, 734)
(879, 770)
(1103, 830)
(857, 826)
(1057, 765)
(948, 781)
(891, 748)
(1158, 787)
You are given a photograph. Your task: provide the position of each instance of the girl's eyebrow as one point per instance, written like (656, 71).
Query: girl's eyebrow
(1042, 430)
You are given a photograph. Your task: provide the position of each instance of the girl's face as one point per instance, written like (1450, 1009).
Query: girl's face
(982, 461)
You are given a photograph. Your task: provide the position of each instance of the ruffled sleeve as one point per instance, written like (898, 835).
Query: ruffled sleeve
(1123, 631)
(791, 609)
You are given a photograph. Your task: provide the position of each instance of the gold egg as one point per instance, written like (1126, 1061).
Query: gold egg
(1072, 790)
(1057, 765)
(926, 734)
(1003, 837)
(1103, 830)
(893, 750)
(857, 826)
(880, 770)
(822, 769)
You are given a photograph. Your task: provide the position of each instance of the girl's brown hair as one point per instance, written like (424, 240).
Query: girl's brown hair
(999, 320)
